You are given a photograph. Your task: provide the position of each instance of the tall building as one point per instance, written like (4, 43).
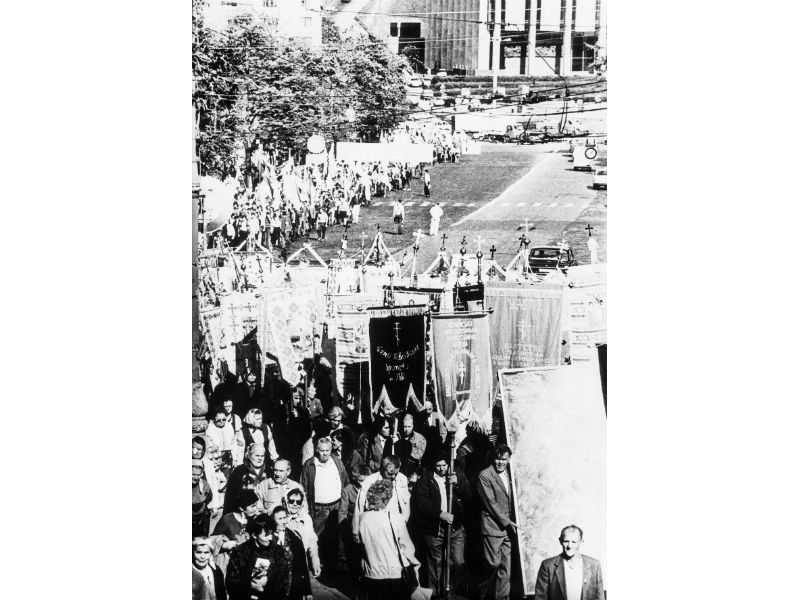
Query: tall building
(537, 37)
(297, 20)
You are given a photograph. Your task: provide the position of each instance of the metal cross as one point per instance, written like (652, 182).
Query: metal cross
(397, 331)
(444, 237)
(492, 250)
(589, 229)
(527, 227)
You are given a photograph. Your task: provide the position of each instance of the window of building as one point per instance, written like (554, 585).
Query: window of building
(411, 30)
(393, 29)
(307, 22)
(269, 2)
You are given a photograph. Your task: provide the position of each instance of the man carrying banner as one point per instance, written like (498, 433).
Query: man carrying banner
(494, 490)
(436, 214)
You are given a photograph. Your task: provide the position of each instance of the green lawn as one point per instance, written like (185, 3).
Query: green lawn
(475, 179)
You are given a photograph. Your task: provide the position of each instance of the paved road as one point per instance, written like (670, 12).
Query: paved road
(551, 196)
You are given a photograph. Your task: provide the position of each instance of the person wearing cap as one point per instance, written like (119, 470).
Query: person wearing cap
(203, 565)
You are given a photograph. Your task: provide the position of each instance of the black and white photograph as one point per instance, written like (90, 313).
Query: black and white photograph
(399, 332)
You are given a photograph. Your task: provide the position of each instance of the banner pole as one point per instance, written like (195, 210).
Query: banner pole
(448, 528)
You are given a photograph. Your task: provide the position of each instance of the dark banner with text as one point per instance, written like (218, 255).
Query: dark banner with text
(397, 358)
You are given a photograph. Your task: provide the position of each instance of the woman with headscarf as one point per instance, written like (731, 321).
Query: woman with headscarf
(201, 498)
(246, 476)
(256, 431)
(260, 568)
(203, 565)
(387, 546)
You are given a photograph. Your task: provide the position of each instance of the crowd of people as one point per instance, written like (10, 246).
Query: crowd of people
(277, 205)
(287, 487)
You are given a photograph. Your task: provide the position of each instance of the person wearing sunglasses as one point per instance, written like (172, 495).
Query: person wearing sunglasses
(300, 522)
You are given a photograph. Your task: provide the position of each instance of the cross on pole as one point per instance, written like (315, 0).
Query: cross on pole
(492, 250)
(444, 237)
(589, 229)
(397, 331)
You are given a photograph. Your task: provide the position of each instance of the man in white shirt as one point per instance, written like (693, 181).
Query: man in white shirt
(398, 214)
(400, 500)
(436, 214)
(570, 575)
(324, 477)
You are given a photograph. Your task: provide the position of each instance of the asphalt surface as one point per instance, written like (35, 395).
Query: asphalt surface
(554, 199)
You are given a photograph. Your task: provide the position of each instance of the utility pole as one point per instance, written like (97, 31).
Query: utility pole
(496, 45)
(566, 45)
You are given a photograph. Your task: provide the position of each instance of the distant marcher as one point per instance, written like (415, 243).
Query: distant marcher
(436, 214)
(399, 213)
(578, 575)
(426, 183)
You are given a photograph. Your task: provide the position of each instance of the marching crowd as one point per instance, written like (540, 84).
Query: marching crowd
(285, 490)
(279, 205)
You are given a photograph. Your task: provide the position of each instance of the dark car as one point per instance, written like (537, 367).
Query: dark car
(549, 258)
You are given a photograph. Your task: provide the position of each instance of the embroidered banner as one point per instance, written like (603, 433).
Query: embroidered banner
(292, 315)
(585, 310)
(556, 427)
(211, 325)
(397, 357)
(462, 368)
(525, 324)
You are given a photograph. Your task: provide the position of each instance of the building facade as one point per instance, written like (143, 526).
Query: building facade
(296, 20)
(537, 37)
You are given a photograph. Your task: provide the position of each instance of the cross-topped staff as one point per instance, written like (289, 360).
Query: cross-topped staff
(492, 250)
(479, 255)
(589, 229)
(444, 237)
(391, 288)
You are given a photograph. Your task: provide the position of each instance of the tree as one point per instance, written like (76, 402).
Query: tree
(250, 83)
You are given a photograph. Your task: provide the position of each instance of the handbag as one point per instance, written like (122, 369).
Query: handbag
(408, 575)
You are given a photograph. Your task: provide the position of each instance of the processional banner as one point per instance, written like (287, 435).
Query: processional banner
(585, 310)
(397, 357)
(352, 340)
(292, 316)
(462, 368)
(556, 427)
(525, 324)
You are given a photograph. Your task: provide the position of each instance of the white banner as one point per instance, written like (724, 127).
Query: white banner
(391, 152)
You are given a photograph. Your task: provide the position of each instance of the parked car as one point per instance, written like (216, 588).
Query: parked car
(549, 258)
(600, 176)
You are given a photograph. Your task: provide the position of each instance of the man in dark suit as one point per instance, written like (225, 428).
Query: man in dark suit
(496, 526)
(430, 513)
(570, 575)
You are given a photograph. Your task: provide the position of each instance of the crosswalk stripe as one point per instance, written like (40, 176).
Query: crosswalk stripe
(425, 203)
(472, 204)
(537, 203)
(378, 203)
(520, 204)
(569, 204)
(442, 203)
(553, 204)
(410, 203)
(458, 204)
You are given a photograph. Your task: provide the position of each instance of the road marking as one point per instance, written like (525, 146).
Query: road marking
(569, 204)
(520, 204)
(537, 203)
(458, 204)
(378, 203)
(442, 204)
(425, 203)
(472, 204)
(553, 204)
(410, 203)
